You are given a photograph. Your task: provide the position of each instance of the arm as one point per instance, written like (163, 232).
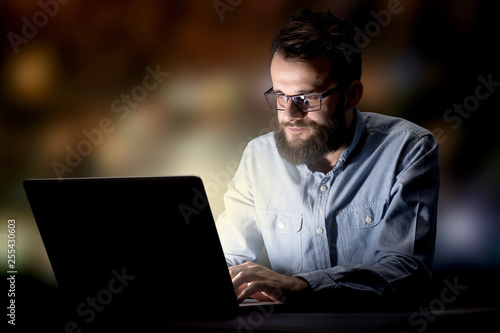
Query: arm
(239, 234)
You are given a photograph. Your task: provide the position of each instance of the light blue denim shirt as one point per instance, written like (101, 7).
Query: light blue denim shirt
(365, 228)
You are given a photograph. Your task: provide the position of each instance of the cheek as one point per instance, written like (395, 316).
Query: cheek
(328, 112)
(318, 117)
(279, 115)
(331, 105)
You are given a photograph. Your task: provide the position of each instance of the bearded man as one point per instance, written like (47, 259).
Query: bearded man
(344, 201)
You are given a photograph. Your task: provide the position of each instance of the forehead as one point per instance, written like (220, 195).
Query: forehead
(292, 76)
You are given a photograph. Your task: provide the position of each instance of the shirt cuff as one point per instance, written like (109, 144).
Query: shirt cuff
(318, 280)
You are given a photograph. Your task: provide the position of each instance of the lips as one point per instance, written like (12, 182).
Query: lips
(295, 129)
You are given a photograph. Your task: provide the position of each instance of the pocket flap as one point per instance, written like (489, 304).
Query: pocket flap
(280, 221)
(364, 216)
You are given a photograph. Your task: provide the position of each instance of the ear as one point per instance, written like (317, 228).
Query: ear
(353, 94)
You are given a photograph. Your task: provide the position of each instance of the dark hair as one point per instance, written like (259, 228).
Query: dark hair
(311, 33)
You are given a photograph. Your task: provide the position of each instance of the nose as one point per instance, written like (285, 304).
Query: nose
(291, 112)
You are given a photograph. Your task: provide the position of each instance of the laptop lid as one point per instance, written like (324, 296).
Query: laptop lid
(143, 247)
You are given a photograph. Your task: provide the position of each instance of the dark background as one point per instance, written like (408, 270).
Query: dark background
(63, 80)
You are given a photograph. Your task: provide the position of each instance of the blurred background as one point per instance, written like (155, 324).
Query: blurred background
(71, 71)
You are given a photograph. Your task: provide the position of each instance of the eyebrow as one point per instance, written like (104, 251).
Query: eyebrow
(301, 92)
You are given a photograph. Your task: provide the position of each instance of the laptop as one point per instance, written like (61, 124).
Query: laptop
(139, 248)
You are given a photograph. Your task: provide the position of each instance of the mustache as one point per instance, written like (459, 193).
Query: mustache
(298, 124)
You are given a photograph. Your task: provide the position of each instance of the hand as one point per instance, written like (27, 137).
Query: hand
(250, 279)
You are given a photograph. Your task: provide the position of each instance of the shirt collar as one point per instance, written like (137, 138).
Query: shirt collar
(359, 131)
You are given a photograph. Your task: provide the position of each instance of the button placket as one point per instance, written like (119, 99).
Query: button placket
(322, 198)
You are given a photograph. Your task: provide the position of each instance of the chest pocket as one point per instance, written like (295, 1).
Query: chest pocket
(282, 236)
(357, 230)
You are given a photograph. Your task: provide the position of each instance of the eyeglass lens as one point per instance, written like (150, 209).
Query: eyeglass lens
(305, 103)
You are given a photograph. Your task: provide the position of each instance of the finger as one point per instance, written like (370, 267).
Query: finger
(234, 270)
(260, 290)
(245, 277)
(261, 297)
(250, 290)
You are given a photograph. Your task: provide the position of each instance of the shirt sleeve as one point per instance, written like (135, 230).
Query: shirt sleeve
(239, 234)
(401, 275)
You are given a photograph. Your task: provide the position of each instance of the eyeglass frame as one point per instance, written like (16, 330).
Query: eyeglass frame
(320, 96)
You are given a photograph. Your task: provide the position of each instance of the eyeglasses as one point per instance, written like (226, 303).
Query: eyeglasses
(306, 103)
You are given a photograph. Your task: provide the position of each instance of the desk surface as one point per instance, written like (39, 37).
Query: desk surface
(440, 320)
(39, 309)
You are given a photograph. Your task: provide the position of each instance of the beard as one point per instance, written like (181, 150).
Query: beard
(325, 138)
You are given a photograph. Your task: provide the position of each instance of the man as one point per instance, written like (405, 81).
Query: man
(345, 202)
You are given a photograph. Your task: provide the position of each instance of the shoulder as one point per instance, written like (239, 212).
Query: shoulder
(262, 144)
(377, 125)
(261, 155)
(397, 137)
(383, 124)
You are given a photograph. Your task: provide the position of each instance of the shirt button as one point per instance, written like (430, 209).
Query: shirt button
(323, 188)
(319, 231)
(281, 225)
(368, 219)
